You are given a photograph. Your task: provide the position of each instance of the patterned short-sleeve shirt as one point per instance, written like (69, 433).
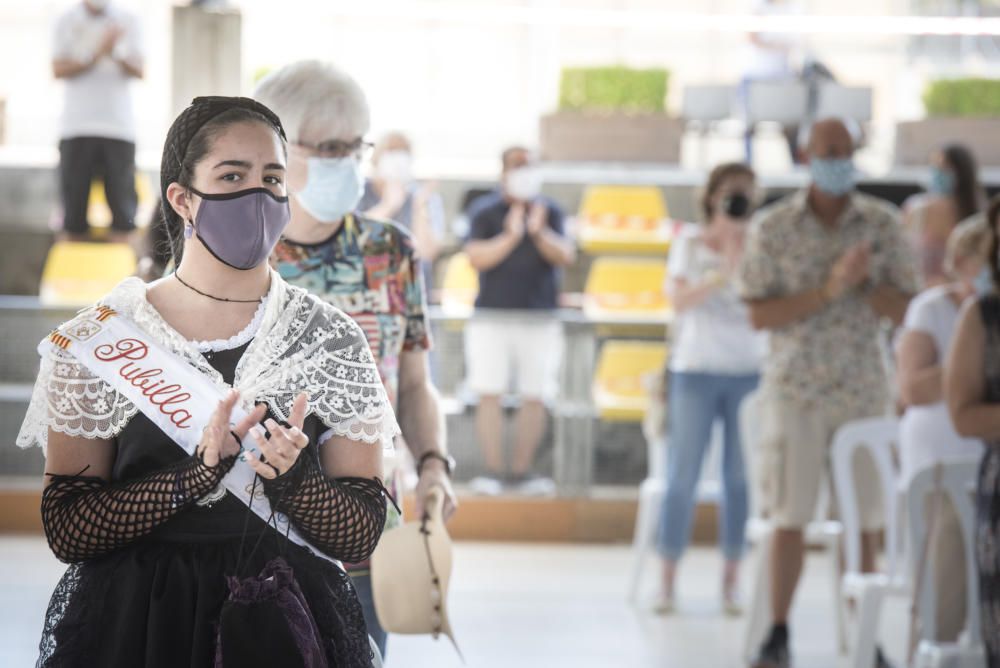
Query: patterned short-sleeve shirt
(368, 270)
(832, 358)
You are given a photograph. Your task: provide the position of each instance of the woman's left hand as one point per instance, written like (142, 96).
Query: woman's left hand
(279, 452)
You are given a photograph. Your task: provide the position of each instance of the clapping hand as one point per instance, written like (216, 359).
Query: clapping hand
(281, 449)
(849, 271)
(514, 223)
(217, 441)
(108, 41)
(537, 218)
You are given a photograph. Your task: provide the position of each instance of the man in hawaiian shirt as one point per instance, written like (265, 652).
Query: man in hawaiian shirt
(823, 269)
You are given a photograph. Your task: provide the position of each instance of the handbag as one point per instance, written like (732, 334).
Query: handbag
(411, 574)
(265, 619)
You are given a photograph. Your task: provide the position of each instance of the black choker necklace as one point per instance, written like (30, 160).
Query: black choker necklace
(218, 299)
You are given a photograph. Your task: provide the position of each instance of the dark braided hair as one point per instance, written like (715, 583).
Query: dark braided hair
(190, 139)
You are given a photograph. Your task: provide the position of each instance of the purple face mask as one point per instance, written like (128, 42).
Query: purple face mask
(240, 229)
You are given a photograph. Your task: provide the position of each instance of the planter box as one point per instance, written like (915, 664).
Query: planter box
(916, 140)
(571, 136)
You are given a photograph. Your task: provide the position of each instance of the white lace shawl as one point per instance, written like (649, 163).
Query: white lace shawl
(303, 344)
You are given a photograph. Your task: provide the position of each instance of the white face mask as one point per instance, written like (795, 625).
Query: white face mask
(395, 166)
(333, 189)
(524, 183)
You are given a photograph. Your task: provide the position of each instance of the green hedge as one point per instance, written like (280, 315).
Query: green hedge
(606, 89)
(963, 97)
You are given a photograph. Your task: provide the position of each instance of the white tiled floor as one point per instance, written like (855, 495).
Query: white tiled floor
(521, 605)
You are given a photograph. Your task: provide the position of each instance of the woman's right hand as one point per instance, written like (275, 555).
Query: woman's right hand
(217, 443)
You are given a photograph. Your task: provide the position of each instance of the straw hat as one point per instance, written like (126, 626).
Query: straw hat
(411, 573)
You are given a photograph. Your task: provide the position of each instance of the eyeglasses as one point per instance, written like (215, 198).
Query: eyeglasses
(336, 148)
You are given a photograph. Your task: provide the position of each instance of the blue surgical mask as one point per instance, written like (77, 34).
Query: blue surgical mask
(833, 176)
(941, 182)
(984, 281)
(334, 187)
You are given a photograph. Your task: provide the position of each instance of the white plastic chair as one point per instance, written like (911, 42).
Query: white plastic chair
(782, 101)
(651, 493)
(705, 104)
(821, 532)
(849, 102)
(957, 477)
(878, 436)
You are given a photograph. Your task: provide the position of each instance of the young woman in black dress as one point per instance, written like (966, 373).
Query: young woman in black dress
(150, 532)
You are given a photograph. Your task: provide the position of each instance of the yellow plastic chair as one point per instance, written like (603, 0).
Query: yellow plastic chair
(624, 219)
(460, 285)
(626, 289)
(79, 273)
(620, 382)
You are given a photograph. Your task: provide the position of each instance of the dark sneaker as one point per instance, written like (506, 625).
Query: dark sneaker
(774, 652)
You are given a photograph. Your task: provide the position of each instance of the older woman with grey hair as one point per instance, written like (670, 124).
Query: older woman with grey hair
(365, 267)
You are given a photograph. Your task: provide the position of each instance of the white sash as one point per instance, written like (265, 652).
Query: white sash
(176, 397)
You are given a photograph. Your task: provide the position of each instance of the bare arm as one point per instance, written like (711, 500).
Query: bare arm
(554, 247)
(919, 371)
(888, 302)
(849, 271)
(425, 239)
(780, 312)
(130, 68)
(423, 427)
(420, 417)
(69, 455)
(965, 381)
(65, 68)
(685, 295)
(484, 254)
(343, 458)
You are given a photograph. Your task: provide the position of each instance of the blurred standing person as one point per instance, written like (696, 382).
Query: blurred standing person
(714, 365)
(927, 435)
(97, 51)
(393, 194)
(821, 269)
(953, 194)
(972, 390)
(768, 57)
(517, 243)
(364, 267)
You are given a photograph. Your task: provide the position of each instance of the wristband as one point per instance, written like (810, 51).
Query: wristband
(448, 460)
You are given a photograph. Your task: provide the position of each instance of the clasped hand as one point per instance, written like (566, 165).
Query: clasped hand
(849, 271)
(278, 452)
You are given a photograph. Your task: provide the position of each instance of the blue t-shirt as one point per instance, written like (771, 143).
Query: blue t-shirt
(524, 279)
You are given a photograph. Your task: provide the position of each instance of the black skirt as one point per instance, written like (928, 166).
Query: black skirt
(157, 604)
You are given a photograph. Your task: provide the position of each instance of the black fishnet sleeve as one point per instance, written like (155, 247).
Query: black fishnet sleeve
(85, 517)
(343, 517)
